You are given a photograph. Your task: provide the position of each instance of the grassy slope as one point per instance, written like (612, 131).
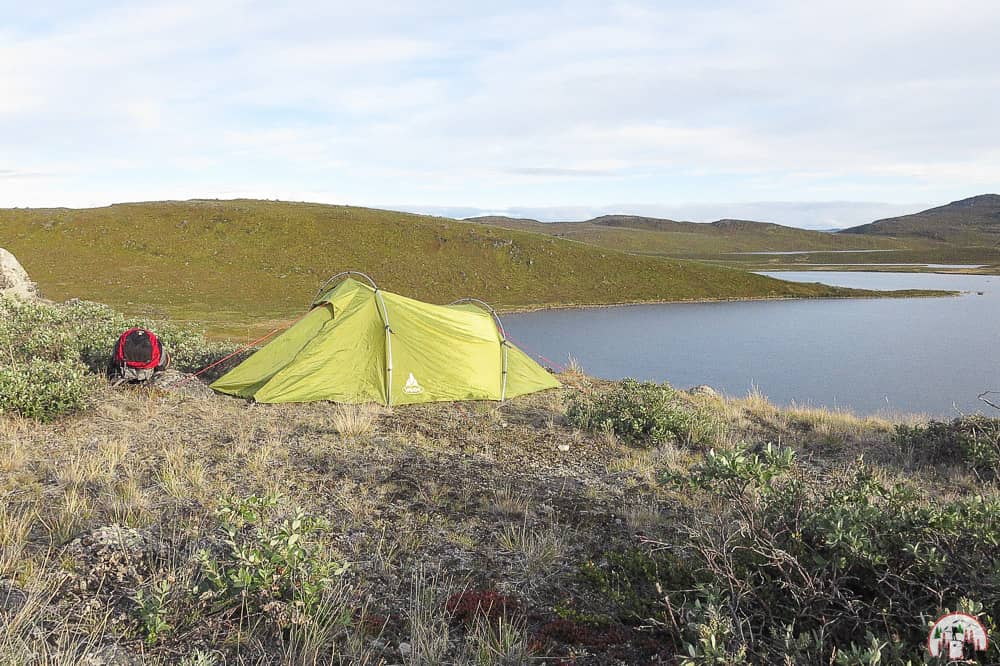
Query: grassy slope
(970, 222)
(221, 262)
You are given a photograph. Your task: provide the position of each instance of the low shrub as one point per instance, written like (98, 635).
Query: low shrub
(46, 348)
(639, 413)
(969, 441)
(43, 389)
(769, 562)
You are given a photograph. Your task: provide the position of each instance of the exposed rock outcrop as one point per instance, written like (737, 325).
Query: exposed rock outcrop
(14, 280)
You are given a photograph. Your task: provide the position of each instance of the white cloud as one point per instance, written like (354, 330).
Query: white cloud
(534, 105)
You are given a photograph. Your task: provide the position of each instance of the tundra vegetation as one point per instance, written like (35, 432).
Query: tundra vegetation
(205, 261)
(605, 523)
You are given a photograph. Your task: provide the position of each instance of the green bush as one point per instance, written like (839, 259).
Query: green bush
(639, 413)
(811, 568)
(87, 332)
(46, 349)
(972, 442)
(42, 389)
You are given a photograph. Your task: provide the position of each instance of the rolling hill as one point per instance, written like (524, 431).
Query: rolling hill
(229, 263)
(648, 235)
(972, 221)
(962, 233)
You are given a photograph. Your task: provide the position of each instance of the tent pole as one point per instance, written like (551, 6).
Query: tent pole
(503, 384)
(388, 348)
(336, 277)
(503, 340)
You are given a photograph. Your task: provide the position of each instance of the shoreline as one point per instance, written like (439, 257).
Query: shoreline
(856, 268)
(263, 325)
(908, 293)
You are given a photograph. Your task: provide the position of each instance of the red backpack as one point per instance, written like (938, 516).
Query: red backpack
(137, 355)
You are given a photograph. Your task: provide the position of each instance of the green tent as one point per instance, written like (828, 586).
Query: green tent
(361, 344)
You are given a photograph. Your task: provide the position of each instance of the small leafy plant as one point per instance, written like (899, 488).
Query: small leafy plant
(154, 609)
(264, 566)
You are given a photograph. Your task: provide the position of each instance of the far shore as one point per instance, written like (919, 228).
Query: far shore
(862, 268)
(226, 328)
(900, 293)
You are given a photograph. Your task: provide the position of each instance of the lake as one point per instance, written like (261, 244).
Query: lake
(883, 355)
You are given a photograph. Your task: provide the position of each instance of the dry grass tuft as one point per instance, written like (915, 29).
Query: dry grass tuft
(647, 464)
(22, 639)
(642, 515)
(13, 454)
(429, 631)
(834, 421)
(14, 528)
(68, 517)
(502, 642)
(113, 453)
(330, 636)
(537, 551)
(181, 476)
(353, 421)
(127, 504)
(510, 500)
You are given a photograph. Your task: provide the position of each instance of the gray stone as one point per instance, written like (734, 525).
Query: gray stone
(179, 382)
(14, 280)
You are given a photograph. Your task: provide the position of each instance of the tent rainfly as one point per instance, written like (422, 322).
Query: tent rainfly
(361, 344)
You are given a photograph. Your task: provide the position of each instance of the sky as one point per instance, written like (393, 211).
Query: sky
(816, 114)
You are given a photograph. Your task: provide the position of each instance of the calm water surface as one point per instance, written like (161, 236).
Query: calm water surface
(925, 355)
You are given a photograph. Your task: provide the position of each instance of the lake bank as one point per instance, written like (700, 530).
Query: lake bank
(903, 293)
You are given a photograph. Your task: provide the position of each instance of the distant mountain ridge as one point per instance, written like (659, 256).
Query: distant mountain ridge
(633, 222)
(976, 219)
(661, 236)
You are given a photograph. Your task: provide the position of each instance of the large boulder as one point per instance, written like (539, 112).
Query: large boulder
(14, 280)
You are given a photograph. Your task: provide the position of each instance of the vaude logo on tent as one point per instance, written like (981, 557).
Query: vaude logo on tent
(412, 385)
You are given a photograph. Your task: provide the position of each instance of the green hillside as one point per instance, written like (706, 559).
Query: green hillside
(973, 221)
(231, 263)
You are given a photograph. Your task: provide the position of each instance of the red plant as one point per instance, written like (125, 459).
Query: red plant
(466, 606)
(577, 633)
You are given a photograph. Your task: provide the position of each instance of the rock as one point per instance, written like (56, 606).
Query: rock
(108, 655)
(179, 382)
(405, 649)
(703, 389)
(14, 280)
(12, 600)
(115, 556)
